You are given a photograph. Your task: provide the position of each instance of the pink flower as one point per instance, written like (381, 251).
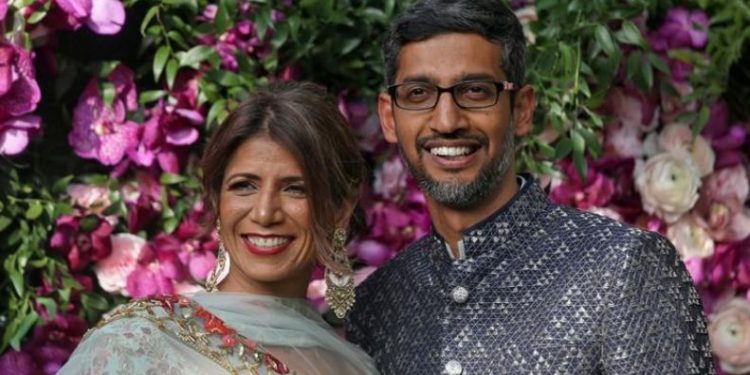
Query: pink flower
(673, 106)
(373, 253)
(101, 16)
(668, 184)
(727, 141)
(101, 131)
(596, 191)
(729, 331)
(112, 271)
(683, 28)
(92, 198)
(241, 39)
(721, 206)
(82, 245)
(390, 178)
(3, 8)
(156, 274)
(19, 95)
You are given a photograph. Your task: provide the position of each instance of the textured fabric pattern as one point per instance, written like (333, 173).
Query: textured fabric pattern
(551, 290)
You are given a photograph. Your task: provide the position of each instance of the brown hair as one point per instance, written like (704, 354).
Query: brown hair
(306, 122)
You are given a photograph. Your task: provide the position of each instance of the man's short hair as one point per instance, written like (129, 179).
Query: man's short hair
(491, 19)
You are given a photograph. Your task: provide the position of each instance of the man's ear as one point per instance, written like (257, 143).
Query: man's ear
(523, 110)
(387, 123)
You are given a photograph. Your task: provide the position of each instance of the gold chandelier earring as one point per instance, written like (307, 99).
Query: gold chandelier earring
(221, 268)
(340, 285)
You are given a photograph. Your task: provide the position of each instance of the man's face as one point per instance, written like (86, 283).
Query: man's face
(459, 156)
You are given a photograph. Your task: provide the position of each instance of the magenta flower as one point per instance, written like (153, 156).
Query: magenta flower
(240, 39)
(101, 16)
(101, 131)
(684, 28)
(143, 201)
(596, 191)
(3, 8)
(721, 206)
(18, 362)
(157, 272)
(727, 141)
(19, 95)
(390, 179)
(81, 246)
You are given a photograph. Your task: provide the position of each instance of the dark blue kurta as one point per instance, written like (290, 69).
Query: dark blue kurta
(541, 289)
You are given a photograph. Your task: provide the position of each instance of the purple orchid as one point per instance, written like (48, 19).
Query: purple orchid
(101, 16)
(81, 246)
(3, 8)
(596, 191)
(101, 131)
(49, 348)
(727, 141)
(19, 95)
(685, 28)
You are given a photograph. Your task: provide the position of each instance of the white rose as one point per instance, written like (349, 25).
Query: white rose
(679, 136)
(668, 183)
(690, 239)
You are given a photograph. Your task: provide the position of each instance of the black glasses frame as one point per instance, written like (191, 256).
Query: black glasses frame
(500, 86)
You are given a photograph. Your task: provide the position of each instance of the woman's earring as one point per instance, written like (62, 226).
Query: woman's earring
(340, 286)
(221, 269)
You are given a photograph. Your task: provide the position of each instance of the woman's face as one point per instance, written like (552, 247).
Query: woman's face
(265, 221)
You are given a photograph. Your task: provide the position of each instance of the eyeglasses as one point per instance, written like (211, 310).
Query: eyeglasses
(415, 96)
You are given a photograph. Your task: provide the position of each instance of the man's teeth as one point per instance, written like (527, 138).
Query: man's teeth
(450, 151)
(268, 242)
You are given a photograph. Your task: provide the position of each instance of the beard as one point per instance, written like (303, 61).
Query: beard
(466, 195)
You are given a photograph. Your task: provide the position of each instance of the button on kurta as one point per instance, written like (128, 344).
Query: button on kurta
(454, 367)
(460, 294)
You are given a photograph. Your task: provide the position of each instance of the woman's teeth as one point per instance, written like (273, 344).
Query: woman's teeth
(268, 242)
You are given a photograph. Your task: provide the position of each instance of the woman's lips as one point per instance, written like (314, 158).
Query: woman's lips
(266, 245)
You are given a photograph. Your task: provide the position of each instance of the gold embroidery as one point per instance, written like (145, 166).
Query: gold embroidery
(202, 331)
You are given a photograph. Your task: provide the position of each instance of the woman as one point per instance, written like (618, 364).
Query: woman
(282, 178)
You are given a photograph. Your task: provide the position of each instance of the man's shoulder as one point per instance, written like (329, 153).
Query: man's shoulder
(601, 232)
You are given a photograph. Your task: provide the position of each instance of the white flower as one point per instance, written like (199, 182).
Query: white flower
(668, 183)
(690, 239)
(679, 136)
(729, 331)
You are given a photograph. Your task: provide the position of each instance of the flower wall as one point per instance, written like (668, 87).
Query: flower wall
(105, 106)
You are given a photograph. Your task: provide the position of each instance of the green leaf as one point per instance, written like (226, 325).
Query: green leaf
(580, 163)
(160, 61)
(170, 225)
(563, 148)
(4, 223)
(630, 34)
(89, 223)
(49, 304)
(170, 179)
(195, 56)
(172, 67)
(34, 211)
(658, 63)
(150, 96)
(147, 19)
(579, 144)
(26, 324)
(213, 112)
(222, 21)
(350, 45)
(39, 14)
(108, 92)
(702, 120)
(604, 38)
(93, 301)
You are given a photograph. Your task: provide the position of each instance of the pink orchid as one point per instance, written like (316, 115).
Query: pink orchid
(373, 252)
(19, 95)
(81, 246)
(3, 8)
(241, 39)
(101, 131)
(142, 198)
(101, 16)
(112, 271)
(157, 272)
(91, 198)
(170, 129)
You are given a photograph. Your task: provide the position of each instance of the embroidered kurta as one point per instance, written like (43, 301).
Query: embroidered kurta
(539, 289)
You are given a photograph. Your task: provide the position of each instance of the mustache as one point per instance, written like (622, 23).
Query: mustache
(479, 138)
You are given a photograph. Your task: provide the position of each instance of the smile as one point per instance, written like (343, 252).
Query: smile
(450, 151)
(266, 245)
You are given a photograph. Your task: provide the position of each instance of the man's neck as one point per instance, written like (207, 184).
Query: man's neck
(450, 223)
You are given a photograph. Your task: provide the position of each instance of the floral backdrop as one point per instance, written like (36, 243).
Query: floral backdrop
(105, 105)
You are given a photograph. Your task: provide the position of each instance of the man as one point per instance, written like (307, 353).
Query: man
(507, 282)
